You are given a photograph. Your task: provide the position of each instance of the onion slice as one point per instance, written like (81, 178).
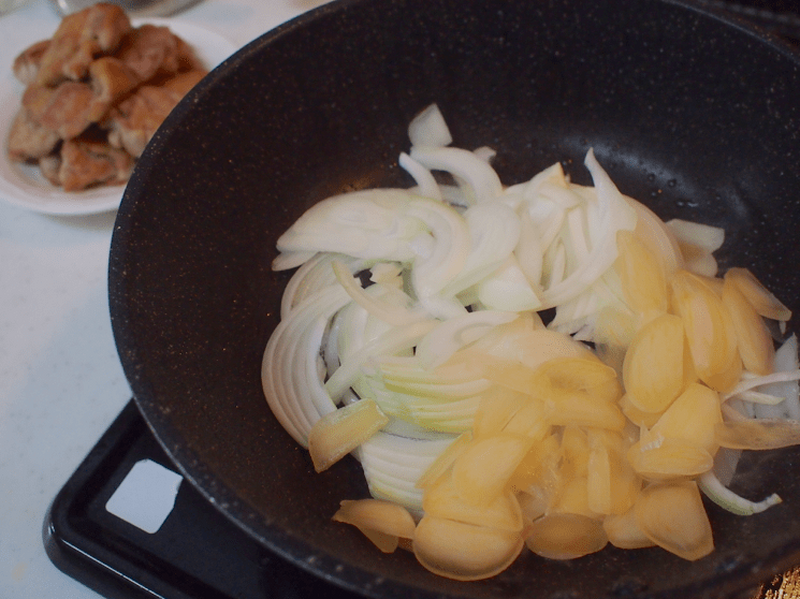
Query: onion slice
(730, 501)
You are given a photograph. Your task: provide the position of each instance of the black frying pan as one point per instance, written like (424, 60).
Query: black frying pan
(695, 115)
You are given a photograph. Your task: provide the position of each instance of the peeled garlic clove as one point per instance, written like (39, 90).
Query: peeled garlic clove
(382, 522)
(709, 331)
(570, 482)
(692, 417)
(443, 501)
(497, 406)
(624, 532)
(512, 375)
(384, 542)
(579, 408)
(657, 236)
(571, 496)
(699, 235)
(635, 414)
(652, 371)
(612, 484)
(538, 466)
(565, 536)
(583, 374)
(340, 432)
(529, 421)
(763, 300)
(482, 471)
(575, 452)
(641, 275)
(464, 551)
(672, 515)
(754, 340)
(697, 243)
(669, 459)
(445, 459)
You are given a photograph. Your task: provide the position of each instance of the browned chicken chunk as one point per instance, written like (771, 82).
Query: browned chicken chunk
(79, 39)
(64, 109)
(87, 162)
(95, 94)
(150, 51)
(132, 124)
(28, 140)
(111, 80)
(49, 165)
(26, 65)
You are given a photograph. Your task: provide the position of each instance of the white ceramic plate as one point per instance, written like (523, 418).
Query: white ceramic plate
(23, 185)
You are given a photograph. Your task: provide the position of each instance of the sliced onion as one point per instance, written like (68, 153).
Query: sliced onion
(758, 433)
(448, 337)
(451, 247)
(494, 230)
(371, 224)
(427, 186)
(747, 383)
(393, 464)
(389, 343)
(313, 275)
(477, 178)
(507, 288)
(397, 313)
(612, 213)
(786, 360)
(280, 365)
(556, 435)
(286, 260)
(429, 128)
(730, 501)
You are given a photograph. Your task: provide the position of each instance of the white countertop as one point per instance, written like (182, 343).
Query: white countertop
(61, 383)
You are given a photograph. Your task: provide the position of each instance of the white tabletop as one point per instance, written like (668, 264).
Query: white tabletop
(61, 383)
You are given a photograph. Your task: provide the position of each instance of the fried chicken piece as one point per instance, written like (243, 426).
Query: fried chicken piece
(28, 140)
(49, 165)
(111, 81)
(151, 51)
(134, 121)
(64, 109)
(71, 107)
(95, 94)
(79, 39)
(26, 64)
(86, 162)
(187, 59)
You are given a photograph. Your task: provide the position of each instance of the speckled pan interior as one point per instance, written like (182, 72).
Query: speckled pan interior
(695, 115)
